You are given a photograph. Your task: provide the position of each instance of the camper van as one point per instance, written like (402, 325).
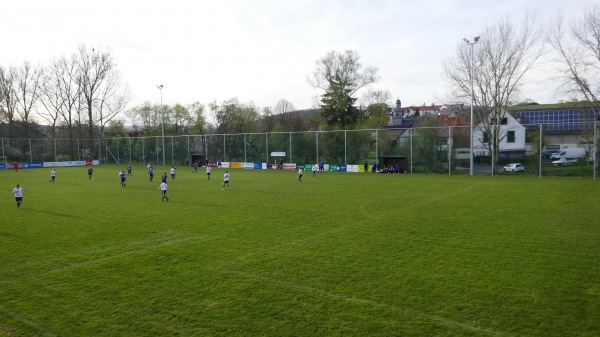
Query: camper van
(574, 153)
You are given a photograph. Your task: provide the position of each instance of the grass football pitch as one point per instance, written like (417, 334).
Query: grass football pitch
(342, 254)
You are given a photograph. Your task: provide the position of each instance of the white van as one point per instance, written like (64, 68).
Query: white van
(570, 154)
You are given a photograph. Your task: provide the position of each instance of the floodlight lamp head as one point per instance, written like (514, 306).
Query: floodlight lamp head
(160, 86)
(476, 39)
(466, 40)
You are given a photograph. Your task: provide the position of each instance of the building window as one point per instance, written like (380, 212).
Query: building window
(510, 137)
(486, 138)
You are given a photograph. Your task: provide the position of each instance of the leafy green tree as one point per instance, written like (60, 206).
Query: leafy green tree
(341, 75)
(426, 144)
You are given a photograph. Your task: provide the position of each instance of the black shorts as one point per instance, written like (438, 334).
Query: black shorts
(19, 199)
(123, 179)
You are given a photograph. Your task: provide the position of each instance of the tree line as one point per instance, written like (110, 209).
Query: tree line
(82, 96)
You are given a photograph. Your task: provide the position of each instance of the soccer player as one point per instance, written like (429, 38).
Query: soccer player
(300, 171)
(195, 167)
(90, 172)
(123, 177)
(208, 172)
(150, 173)
(163, 178)
(226, 180)
(315, 167)
(129, 171)
(52, 175)
(163, 188)
(173, 172)
(18, 192)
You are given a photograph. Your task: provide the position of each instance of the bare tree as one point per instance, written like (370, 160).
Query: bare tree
(374, 107)
(498, 64)
(578, 50)
(112, 100)
(8, 95)
(283, 108)
(28, 82)
(99, 84)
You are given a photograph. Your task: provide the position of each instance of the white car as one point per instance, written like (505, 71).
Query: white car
(514, 167)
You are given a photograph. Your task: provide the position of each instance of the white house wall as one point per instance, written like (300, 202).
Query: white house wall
(511, 125)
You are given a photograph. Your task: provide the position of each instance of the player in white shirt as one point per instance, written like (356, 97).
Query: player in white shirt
(208, 171)
(315, 167)
(52, 175)
(18, 192)
(163, 188)
(173, 172)
(226, 180)
(300, 171)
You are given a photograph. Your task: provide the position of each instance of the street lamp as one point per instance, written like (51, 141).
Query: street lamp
(162, 111)
(469, 43)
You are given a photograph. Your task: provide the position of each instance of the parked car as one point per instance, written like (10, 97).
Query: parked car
(549, 153)
(514, 167)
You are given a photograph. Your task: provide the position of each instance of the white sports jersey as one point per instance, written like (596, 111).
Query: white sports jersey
(18, 192)
(226, 177)
(163, 187)
(172, 170)
(208, 169)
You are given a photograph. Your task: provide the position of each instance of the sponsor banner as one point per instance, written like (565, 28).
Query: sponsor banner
(225, 164)
(273, 166)
(247, 165)
(212, 164)
(277, 154)
(307, 167)
(71, 163)
(326, 168)
(260, 166)
(291, 167)
(354, 168)
(331, 168)
(341, 168)
(2, 166)
(36, 164)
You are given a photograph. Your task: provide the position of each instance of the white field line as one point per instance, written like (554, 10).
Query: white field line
(406, 311)
(32, 324)
(43, 332)
(106, 253)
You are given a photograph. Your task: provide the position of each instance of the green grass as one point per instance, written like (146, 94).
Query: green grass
(343, 254)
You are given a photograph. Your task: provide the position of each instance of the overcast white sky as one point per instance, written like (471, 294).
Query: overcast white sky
(261, 50)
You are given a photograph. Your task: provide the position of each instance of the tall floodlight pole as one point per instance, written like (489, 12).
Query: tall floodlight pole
(162, 112)
(469, 43)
